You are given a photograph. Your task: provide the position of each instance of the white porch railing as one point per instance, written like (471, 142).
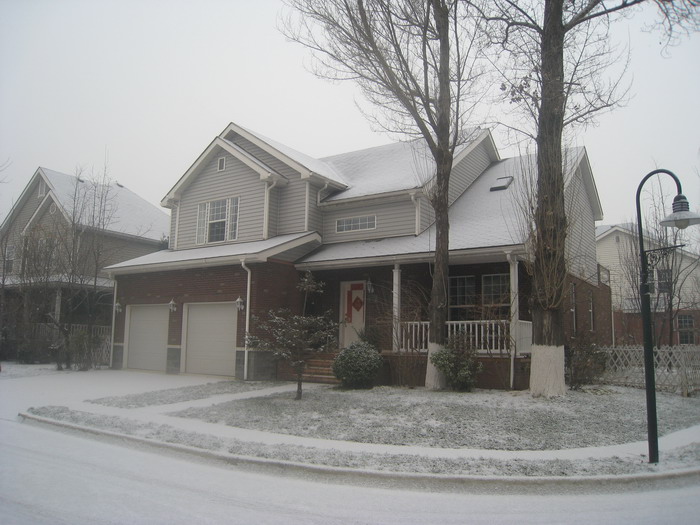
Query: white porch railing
(487, 336)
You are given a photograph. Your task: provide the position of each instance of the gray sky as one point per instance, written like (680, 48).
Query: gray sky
(147, 85)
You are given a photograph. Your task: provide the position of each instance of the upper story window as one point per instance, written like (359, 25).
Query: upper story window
(9, 259)
(496, 289)
(351, 224)
(221, 166)
(217, 221)
(686, 332)
(462, 297)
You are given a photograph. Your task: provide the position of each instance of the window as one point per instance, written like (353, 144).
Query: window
(9, 259)
(462, 297)
(496, 289)
(221, 166)
(686, 332)
(217, 221)
(368, 222)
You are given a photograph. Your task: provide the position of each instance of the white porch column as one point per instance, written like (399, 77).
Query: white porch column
(396, 310)
(514, 313)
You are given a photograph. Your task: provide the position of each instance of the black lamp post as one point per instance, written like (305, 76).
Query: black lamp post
(681, 218)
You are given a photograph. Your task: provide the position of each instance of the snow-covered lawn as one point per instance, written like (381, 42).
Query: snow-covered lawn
(484, 419)
(395, 429)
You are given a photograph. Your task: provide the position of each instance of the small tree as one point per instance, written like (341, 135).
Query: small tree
(295, 338)
(458, 361)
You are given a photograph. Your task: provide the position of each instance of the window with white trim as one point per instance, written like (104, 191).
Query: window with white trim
(495, 289)
(686, 329)
(217, 221)
(9, 259)
(221, 165)
(462, 297)
(351, 224)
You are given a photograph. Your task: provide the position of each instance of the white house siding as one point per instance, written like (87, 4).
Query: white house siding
(581, 250)
(393, 219)
(292, 206)
(466, 172)
(273, 213)
(612, 250)
(237, 180)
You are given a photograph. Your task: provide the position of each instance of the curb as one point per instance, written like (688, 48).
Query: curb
(407, 480)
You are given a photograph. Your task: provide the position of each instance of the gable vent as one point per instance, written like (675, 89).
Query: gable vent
(502, 183)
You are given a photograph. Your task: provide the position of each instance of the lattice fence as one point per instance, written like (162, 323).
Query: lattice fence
(677, 367)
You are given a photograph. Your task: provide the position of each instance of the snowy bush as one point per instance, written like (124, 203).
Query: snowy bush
(458, 362)
(585, 363)
(357, 365)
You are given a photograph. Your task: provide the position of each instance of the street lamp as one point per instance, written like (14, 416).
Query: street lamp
(681, 218)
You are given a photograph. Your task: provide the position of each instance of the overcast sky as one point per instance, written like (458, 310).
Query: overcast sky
(147, 84)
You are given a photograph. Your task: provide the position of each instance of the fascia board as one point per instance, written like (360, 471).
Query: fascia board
(390, 195)
(184, 180)
(591, 187)
(303, 170)
(22, 198)
(517, 250)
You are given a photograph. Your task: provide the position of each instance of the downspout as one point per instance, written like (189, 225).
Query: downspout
(247, 319)
(416, 203)
(318, 195)
(266, 211)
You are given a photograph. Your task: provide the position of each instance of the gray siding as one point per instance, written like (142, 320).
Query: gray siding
(292, 205)
(173, 226)
(427, 213)
(237, 180)
(315, 212)
(393, 219)
(466, 172)
(581, 250)
(273, 227)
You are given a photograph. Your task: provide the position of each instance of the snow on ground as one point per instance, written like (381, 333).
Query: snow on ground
(11, 370)
(387, 429)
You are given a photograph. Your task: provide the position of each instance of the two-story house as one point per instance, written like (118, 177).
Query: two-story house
(54, 243)
(251, 214)
(674, 287)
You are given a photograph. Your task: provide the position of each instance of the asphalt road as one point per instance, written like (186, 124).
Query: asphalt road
(49, 476)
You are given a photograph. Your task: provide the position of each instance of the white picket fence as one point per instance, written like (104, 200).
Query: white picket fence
(677, 367)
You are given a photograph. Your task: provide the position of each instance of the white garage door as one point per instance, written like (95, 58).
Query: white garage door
(211, 338)
(148, 337)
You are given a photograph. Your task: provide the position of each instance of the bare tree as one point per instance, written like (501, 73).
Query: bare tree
(417, 63)
(567, 39)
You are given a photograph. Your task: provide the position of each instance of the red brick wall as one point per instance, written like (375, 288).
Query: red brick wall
(273, 285)
(628, 328)
(601, 331)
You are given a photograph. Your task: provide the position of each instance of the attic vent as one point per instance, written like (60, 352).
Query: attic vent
(221, 166)
(502, 183)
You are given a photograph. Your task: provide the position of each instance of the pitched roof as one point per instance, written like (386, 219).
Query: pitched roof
(481, 219)
(392, 167)
(223, 254)
(131, 214)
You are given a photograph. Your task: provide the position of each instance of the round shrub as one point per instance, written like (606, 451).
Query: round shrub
(357, 365)
(458, 361)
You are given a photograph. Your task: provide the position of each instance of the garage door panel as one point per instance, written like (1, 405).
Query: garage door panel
(211, 338)
(148, 337)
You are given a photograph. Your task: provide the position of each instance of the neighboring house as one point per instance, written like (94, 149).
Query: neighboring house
(674, 286)
(55, 241)
(250, 214)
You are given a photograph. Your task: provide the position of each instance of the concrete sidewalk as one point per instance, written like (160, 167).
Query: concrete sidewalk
(17, 395)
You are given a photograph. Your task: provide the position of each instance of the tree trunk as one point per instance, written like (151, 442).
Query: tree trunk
(549, 265)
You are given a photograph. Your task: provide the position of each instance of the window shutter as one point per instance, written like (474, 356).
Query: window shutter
(202, 223)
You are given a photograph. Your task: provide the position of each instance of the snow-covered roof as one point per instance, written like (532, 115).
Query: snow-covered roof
(392, 167)
(480, 219)
(256, 251)
(131, 214)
